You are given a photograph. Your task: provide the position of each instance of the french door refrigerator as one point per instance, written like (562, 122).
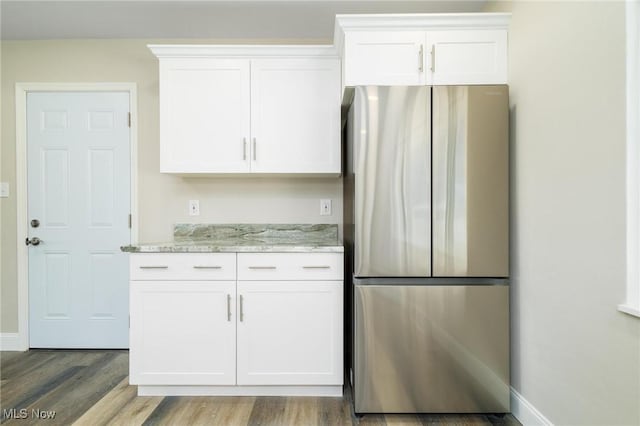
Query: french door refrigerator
(426, 232)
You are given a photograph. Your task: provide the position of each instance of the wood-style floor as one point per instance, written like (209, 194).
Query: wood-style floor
(92, 388)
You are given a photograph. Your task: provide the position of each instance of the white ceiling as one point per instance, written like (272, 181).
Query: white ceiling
(168, 19)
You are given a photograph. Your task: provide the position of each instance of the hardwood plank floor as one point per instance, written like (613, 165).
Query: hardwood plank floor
(92, 388)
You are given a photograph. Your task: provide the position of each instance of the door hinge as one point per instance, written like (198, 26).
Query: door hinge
(129, 119)
(130, 220)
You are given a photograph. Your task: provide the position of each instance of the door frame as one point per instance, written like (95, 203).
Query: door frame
(22, 89)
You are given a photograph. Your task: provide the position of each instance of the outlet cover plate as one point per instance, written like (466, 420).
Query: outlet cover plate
(194, 207)
(4, 189)
(325, 207)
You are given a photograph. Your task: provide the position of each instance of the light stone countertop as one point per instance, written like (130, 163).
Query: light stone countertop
(213, 238)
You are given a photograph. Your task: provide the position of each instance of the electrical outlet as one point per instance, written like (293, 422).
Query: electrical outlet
(325, 207)
(4, 189)
(194, 207)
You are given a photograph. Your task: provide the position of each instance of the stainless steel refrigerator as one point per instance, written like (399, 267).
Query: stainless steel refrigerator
(426, 183)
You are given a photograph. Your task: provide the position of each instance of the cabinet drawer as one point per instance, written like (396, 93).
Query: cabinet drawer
(290, 266)
(183, 266)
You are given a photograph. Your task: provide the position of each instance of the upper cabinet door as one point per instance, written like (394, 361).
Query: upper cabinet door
(384, 58)
(204, 115)
(295, 116)
(467, 57)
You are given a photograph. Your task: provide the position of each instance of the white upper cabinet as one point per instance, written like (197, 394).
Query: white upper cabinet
(295, 115)
(249, 109)
(204, 115)
(392, 57)
(467, 57)
(423, 49)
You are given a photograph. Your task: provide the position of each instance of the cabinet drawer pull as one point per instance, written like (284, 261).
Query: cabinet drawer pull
(241, 309)
(228, 307)
(154, 267)
(206, 267)
(262, 267)
(317, 267)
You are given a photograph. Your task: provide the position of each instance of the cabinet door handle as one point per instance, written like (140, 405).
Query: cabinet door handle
(317, 267)
(241, 309)
(244, 149)
(154, 267)
(421, 59)
(262, 267)
(433, 58)
(254, 150)
(228, 307)
(207, 267)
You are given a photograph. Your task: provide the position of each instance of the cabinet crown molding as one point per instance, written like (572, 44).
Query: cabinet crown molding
(423, 21)
(242, 50)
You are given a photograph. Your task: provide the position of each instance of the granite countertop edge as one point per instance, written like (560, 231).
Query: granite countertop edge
(212, 248)
(245, 237)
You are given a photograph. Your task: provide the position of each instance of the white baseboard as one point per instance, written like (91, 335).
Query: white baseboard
(180, 390)
(525, 412)
(11, 342)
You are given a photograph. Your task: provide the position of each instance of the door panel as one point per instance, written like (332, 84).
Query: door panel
(79, 189)
(57, 285)
(392, 204)
(204, 115)
(470, 181)
(102, 197)
(295, 116)
(384, 58)
(289, 333)
(435, 349)
(467, 57)
(184, 333)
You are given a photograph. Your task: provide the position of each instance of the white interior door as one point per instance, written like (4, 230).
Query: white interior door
(78, 161)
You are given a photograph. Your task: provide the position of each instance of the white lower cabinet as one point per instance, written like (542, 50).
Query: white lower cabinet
(279, 335)
(290, 333)
(182, 333)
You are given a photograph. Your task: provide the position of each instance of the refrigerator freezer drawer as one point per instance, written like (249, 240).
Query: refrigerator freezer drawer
(435, 349)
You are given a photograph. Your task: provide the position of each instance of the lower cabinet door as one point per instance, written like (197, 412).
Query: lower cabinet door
(289, 333)
(182, 333)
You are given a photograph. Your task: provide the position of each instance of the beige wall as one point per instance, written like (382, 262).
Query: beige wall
(162, 198)
(574, 356)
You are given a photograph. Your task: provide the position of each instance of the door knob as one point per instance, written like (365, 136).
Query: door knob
(33, 241)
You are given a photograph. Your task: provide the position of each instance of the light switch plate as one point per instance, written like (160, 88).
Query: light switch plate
(4, 189)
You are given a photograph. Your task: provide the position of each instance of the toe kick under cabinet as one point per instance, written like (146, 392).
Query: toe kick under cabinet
(236, 323)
